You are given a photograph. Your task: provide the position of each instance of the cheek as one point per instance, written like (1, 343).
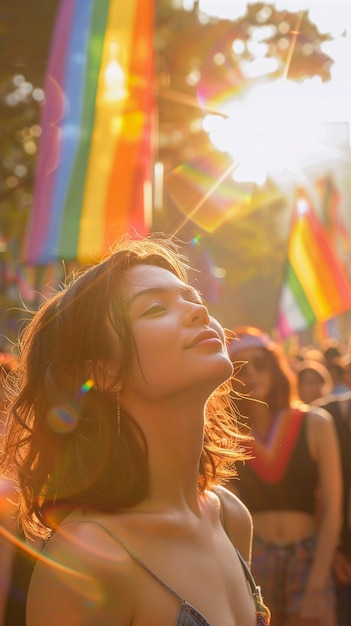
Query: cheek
(153, 350)
(267, 380)
(263, 385)
(152, 341)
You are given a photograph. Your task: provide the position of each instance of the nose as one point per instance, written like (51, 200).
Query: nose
(196, 313)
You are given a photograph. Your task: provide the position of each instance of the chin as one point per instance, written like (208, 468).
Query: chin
(225, 371)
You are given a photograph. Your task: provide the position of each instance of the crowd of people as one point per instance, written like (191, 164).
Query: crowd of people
(297, 482)
(158, 469)
(332, 362)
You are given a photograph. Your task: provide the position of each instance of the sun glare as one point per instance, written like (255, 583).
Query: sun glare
(276, 126)
(276, 129)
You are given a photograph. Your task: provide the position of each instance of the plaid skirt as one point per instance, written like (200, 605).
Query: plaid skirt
(282, 572)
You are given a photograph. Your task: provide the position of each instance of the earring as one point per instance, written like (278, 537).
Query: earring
(118, 416)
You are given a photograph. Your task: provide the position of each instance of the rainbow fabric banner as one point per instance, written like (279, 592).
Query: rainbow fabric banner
(94, 162)
(316, 287)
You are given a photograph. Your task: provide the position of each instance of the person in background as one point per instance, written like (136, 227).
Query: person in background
(339, 406)
(313, 380)
(120, 432)
(16, 560)
(333, 358)
(345, 361)
(294, 467)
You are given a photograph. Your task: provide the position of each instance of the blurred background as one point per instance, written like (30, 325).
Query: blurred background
(223, 123)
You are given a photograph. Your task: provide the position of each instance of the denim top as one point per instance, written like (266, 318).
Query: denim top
(187, 614)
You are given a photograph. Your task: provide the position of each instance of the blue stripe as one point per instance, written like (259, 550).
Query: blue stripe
(74, 84)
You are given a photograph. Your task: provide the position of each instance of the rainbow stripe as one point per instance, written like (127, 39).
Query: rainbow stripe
(94, 160)
(316, 287)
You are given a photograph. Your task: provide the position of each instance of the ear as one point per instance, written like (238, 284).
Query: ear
(102, 376)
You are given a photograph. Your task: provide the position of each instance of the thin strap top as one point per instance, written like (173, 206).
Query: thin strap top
(187, 614)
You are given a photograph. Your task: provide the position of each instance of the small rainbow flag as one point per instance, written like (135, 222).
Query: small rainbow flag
(316, 287)
(93, 170)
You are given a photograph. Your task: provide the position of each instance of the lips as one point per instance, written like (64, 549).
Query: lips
(203, 337)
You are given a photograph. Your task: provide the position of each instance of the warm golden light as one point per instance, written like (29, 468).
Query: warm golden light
(276, 129)
(115, 76)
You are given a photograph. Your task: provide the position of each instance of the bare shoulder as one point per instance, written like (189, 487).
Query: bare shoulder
(237, 521)
(235, 509)
(319, 419)
(321, 433)
(81, 577)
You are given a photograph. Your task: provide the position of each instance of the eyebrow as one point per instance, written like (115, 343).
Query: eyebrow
(187, 290)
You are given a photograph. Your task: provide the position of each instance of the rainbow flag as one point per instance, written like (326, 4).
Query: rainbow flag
(315, 287)
(94, 160)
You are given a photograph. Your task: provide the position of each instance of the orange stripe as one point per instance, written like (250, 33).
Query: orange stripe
(318, 268)
(130, 164)
(310, 268)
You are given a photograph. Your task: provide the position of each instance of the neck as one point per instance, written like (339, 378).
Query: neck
(174, 436)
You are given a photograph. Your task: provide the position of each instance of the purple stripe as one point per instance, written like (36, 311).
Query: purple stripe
(70, 126)
(49, 148)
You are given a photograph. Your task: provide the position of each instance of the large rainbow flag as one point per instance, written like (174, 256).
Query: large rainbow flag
(94, 160)
(316, 287)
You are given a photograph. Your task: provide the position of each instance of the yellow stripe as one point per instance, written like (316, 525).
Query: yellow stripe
(311, 269)
(107, 126)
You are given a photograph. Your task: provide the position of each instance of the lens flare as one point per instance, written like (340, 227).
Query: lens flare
(62, 420)
(89, 384)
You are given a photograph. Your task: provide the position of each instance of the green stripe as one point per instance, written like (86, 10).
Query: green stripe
(300, 296)
(74, 199)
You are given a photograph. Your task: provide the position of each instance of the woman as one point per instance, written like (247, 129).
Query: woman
(119, 431)
(294, 458)
(313, 381)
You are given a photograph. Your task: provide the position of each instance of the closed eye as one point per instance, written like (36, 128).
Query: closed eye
(154, 309)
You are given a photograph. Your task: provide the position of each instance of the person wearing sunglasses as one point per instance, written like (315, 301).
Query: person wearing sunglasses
(291, 484)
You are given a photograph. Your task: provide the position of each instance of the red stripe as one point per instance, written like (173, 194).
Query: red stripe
(271, 460)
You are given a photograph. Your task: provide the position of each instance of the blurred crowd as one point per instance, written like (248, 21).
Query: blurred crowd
(324, 380)
(297, 485)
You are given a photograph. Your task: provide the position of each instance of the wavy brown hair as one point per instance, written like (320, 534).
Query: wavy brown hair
(61, 441)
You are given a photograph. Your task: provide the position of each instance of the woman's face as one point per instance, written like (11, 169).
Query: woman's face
(179, 347)
(310, 386)
(255, 373)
